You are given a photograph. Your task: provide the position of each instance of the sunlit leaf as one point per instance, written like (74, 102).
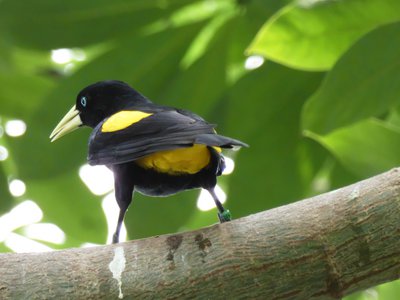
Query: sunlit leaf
(365, 148)
(386, 291)
(365, 82)
(312, 35)
(3, 248)
(389, 290)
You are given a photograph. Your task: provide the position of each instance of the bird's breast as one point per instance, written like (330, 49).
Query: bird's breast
(189, 160)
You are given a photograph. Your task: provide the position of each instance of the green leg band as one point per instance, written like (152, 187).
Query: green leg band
(225, 216)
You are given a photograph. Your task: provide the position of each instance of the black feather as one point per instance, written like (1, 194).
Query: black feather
(164, 130)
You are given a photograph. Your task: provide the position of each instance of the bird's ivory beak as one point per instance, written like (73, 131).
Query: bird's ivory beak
(69, 123)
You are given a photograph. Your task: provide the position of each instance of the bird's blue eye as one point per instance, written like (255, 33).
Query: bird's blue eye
(83, 101)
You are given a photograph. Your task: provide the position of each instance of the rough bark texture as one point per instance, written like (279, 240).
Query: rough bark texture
(324, 247)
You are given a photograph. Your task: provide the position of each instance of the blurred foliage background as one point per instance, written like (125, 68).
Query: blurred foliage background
(312, 86)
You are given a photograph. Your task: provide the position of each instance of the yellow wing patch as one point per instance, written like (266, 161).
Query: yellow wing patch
(123, 119)
(188, 160)
(218, 149)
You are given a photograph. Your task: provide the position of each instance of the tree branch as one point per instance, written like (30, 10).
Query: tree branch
(324, 247)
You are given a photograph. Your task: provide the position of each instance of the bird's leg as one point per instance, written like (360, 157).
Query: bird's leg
(121, 216)
(123, 194)
(224, 215)
(124, 198)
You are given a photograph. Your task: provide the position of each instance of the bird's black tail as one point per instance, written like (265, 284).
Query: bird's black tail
(219, 141)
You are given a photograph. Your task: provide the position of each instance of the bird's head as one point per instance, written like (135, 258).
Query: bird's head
(95, 103)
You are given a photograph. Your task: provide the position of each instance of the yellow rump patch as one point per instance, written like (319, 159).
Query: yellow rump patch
(188, 160)
(123, 119)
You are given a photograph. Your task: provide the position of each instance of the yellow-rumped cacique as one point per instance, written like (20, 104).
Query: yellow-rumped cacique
(153, 149)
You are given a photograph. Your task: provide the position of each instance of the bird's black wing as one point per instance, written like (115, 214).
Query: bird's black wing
(159, 129)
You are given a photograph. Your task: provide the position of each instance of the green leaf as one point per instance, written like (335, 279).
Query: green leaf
(264, 110)
(241, 31)
(67, 202)
(386, 291)
(149, 216)
(365, 82)
(200, 219)
(37, 158)
(209, 75)
(393, 117)
(5, 54)
(262, 8)
(17, 102)
(313, 36)
(365, 148)
(6, 200)
(4, 249)
(340, 176)
(389, 290)
(78, 23)
(312, 161)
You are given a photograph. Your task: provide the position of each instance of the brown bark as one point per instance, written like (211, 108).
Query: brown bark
(324, 247)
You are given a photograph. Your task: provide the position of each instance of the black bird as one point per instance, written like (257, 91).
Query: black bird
(155, 150)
